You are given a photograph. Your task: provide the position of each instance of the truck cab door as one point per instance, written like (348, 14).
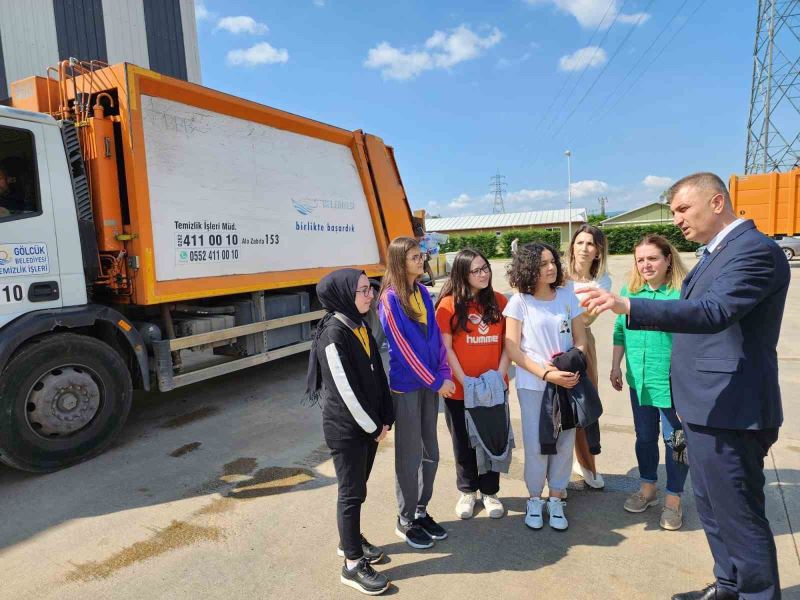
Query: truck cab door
(29, 266)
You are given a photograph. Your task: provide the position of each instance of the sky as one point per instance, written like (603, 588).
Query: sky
(642, 92)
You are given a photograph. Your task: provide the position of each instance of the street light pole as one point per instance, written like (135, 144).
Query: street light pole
(568, 154)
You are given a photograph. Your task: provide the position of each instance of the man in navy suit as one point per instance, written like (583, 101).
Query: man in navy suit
(724, 378)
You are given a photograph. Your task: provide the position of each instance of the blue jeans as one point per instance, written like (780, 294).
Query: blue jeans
(646, 421)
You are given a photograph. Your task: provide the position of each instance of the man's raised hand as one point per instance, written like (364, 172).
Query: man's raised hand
(597, 301)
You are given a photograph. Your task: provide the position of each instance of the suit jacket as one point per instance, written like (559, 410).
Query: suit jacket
(724, 369)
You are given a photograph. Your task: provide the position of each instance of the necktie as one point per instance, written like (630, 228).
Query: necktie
(703, 259)
(699, 265)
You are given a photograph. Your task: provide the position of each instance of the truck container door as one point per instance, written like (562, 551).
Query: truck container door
(29, 266)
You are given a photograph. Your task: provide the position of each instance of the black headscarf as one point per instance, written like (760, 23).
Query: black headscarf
(337, 293)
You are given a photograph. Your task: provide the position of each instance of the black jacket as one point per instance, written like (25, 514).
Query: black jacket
(565, 409)
(356, 402)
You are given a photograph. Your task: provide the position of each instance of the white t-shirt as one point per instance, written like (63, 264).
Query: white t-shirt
(604, 283)
(546, 329)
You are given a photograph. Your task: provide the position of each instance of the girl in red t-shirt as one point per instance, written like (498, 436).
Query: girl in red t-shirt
(470, 314)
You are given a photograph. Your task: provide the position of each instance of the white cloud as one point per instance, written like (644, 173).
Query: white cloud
(460, 45)
(463, 201)
(591, 56)
(397, 64)
(517, 201)
(242, 24)
(634, 19)
(588, 187)
(258, 54)
(507, 63)
(654, 181)
(530, 198)
(319, 3)
(443, 50)
(585, 193)
(201, 13)
(590, 13)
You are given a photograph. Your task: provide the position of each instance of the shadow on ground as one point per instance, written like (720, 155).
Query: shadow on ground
(179, 445)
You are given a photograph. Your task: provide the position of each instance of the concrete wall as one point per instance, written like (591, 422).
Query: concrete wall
(125, 32)
(28, 34)
(155, 34)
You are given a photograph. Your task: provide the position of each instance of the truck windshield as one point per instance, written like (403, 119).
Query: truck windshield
(19, 194)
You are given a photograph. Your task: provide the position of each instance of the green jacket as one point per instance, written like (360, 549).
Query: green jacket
(647, 353)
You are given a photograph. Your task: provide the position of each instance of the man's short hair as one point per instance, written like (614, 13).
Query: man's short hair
(703, 181)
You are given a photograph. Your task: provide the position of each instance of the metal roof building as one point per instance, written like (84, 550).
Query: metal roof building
(500, 221)
(655, 213)
(554, 220)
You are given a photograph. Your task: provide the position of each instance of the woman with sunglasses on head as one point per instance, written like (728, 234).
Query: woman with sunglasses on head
(587, 257)
(657, 274)
(418, 373)
(346, 374)
(469, 313)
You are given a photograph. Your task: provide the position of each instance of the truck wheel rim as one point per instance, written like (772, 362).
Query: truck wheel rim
(63, 401)
(788, 253)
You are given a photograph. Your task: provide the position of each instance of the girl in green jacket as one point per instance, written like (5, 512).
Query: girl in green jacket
(657, 274)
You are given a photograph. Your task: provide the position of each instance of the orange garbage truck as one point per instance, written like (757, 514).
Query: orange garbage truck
(155, 233)
(771, 200)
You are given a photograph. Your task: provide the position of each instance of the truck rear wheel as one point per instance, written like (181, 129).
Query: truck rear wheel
(63, 399)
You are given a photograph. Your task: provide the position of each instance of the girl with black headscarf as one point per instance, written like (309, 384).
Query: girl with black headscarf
(345, 374)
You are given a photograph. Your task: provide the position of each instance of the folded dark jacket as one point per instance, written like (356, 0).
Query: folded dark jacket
(564, 408)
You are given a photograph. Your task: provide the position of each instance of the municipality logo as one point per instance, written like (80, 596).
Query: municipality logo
(309, 205)
(304, 208)
(4, 258)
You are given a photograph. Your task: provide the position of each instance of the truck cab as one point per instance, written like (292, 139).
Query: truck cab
(40, 255)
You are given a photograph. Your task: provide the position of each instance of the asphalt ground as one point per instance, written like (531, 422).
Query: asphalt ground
(225, 489)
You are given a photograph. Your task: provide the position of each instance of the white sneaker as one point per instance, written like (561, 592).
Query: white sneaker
(466, 504)
(593, 481)
(533, 516)
(494, 508)
(558, 520)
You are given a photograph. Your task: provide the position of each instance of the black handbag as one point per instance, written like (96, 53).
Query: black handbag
(677, 441)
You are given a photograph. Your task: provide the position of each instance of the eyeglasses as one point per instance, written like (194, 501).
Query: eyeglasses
(485, 270)
(366, 291)
(416, 257)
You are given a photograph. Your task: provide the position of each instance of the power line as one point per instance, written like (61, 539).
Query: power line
(586, 68)
(773, 143)
(611, 5)
(599, 75)
(657, 56)
(498, 186)
(572, 73)
(641, 57)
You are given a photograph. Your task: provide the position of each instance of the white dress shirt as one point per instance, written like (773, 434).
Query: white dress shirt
(717, 239)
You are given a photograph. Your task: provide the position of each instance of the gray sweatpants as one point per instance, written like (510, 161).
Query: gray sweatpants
(554, 468)
(416, 449)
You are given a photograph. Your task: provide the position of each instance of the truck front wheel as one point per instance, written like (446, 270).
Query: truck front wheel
(63, 399)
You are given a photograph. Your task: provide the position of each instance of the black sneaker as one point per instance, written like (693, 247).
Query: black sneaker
(431, 527)
(364, 578)
(372, 553)
(413, 534)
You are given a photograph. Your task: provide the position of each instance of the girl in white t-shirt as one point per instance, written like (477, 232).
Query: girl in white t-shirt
(543, 319)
